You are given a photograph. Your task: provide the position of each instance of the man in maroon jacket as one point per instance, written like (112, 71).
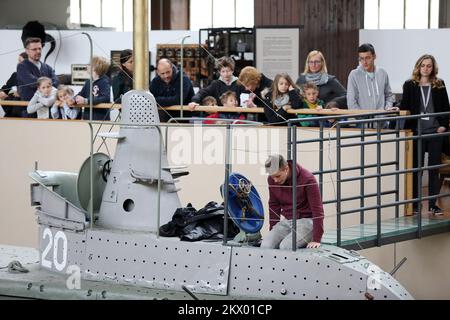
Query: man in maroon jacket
(309, 206)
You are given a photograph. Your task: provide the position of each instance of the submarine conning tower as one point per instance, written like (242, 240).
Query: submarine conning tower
(130, 198)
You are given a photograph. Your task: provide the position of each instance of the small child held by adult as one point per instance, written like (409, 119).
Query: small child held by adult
(43, 99)
(229, 100)
(311, 101)
(282, 97)
(210, 101)
(101, 90)
(63, 108)
(333, 106)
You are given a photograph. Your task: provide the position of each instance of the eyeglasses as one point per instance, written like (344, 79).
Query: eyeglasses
(314, 62)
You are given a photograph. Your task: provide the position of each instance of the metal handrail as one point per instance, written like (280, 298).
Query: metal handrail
(368, 166)
(233, 122)
(400, 202)
(419, 137)
(229, 127)
(292, 154)
(339, 138)
(370, 195)
(369, 114)
(386, 174)
(408, 117)
(428, 135)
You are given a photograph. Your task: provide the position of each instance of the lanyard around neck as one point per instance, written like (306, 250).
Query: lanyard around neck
(427, 100)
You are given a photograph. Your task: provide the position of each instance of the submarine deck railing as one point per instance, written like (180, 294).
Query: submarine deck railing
(228, 167)
(292, 135)
(378, 120)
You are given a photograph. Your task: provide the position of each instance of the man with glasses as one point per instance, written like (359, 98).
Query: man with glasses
(309, 212)
(368, 85)
(29, 70)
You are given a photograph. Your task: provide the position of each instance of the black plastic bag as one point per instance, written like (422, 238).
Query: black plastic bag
(192, 225)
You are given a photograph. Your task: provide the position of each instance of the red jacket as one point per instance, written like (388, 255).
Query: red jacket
(309, 201)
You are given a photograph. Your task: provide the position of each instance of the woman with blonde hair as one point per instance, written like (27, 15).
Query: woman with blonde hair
(331, 90)
(426, 93)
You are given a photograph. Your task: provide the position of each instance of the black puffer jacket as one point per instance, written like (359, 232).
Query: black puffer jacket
(216, 89)
(192, 225)
(280, 115)
(169, 94)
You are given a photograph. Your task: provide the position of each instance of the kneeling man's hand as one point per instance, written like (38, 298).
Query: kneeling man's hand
(313, 244)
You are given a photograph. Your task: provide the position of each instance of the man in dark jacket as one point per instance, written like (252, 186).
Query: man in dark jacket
(165, 87)
(31, 69)
(9, 91)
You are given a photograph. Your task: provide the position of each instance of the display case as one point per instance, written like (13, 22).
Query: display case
(237, 43)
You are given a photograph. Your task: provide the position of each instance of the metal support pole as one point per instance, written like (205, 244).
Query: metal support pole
(161, 15)
(361, 171)
(294, 187)
(397, 168)
(91, 152)
(398, 266)
(289, 142)
(140, 45)
(123, 15)
(80, 6)
(379, 124)
(158, 203)
(409, 181)
(181, 75)
(101, 14)
(419, 178)
(227, 182)
(166, 135)
(321, 158)
(234, 11)
(338, 185)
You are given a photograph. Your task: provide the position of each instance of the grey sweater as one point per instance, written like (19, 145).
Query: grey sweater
(65, 112)
(364, 92)
(41, 104)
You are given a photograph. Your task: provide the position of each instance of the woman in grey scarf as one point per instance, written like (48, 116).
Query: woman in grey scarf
(331, 90)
